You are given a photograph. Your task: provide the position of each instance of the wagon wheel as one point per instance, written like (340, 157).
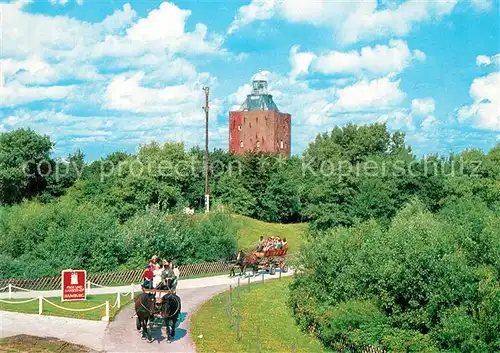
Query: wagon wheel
(272, 270)
(138, 324)
(284, 268)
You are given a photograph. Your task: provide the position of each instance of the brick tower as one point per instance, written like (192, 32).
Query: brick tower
(259, 126)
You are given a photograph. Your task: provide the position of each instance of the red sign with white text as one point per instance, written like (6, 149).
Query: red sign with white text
(73, 285)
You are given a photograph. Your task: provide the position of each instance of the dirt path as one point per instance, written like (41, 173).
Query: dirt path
(122, 335)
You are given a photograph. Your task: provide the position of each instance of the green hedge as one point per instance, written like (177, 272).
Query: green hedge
(429, 283)
(39, 240)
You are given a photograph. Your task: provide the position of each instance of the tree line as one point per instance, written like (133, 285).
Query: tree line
(349, 175)
(345, 176)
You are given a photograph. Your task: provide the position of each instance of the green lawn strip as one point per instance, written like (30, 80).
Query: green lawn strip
(251, 229)
(264, 306)
(91, 301)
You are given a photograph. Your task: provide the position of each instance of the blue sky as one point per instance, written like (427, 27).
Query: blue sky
(104, 76)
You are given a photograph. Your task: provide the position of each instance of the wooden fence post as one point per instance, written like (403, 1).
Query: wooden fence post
(292, 348)
(238, 320)
(40, 305)
(118, 300)
(249, 284)
(10, 290)
(238, 290)
(132, 291)
(262, 277)
(258, 339)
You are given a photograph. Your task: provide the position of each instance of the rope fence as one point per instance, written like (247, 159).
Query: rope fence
(41, 300)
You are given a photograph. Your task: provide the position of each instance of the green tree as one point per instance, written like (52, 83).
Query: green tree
(24, 164)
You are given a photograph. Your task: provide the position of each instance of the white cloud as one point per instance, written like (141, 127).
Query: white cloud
(255, 11)
(352, 21)
(12, 94)
(299, 62)
(117, 35)
(482, 5)
(484, 112)
(59, 48)
(365, 95)
(34, 71)
(123, 131)
(430, 122)
(368, 22)
(423, 106)
(180, 103)
(397, 120)
(119, 20)
(484, 60)
(380, 59)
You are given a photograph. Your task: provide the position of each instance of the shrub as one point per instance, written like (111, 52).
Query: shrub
(421, 273)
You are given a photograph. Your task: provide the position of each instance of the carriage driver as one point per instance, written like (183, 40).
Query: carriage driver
(169, 274)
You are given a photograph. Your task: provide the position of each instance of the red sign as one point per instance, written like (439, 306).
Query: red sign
(73, 285)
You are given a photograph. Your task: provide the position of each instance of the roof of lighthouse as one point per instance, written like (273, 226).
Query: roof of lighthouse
(259, 99)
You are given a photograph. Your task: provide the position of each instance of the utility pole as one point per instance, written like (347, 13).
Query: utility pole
(205, 108)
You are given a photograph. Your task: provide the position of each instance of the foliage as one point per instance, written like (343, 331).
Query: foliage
(185, 239)
(24, 164)
(427, 283)
(39, 240)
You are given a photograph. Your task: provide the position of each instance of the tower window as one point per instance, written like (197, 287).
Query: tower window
(241, 144)
(258, 144)
(239, 127)
(281, 144)
(250, 125)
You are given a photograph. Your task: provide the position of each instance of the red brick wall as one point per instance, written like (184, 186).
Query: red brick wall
(266, 127)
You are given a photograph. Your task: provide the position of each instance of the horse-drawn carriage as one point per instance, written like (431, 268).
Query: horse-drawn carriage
(268, 260)
(163, 304)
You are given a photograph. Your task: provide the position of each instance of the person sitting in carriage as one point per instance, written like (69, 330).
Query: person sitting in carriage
(168, 277)
(260, 245)
(147, 277)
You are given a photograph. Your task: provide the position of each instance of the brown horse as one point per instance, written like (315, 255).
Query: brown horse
(243, 262)
(145, 309)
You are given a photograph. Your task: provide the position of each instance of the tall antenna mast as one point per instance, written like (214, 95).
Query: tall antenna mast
(206, 108)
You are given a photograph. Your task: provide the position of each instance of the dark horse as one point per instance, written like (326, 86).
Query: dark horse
(170, 309)
(144, 309)
(242, 261)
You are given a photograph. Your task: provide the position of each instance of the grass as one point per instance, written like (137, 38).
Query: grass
(92, 300)
(251, 229)
(264, 306)
(30, 344)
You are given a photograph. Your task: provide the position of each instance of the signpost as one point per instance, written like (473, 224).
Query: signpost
(73, 285)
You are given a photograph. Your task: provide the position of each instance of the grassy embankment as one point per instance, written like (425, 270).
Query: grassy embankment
(251, 229)
(263, 306)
